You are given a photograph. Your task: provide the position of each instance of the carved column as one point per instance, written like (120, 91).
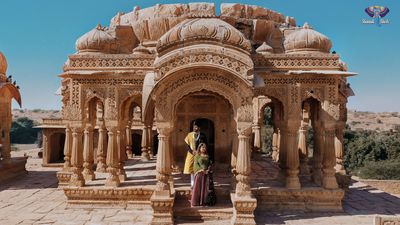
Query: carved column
(128, 138)
(67, 148)
(329, 158)
(88, 159)
(318, 154)
(303, 147)
(339, 148)
(112, 157)
(275, 144)
(243, 201)
(243, 166)
(121, 154)
(46, 146)
(77, 158)
(257, 137)
(149, 141)
(289, 143)
(162, 200)
(145, 154)
(101, 150)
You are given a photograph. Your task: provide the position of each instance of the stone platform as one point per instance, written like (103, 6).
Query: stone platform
(12, 168)
(35, 199)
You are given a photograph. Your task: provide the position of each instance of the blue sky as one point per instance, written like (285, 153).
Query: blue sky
(37, 36)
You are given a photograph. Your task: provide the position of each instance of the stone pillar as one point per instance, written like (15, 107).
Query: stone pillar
(289, 143)
(128, 138)
(88, 159)
(162, 200)
(46, 146)
(112, 158)
(329, 159)
(243, 167)
(243, 201)
(145, 154)
(257, 137)
(67, 149)
(275, 144)
(101, 150)
(235, 143)
(77, 158)
(339, 148)
(318, 154)
(149, 141)
(121, 155)
(303, 149)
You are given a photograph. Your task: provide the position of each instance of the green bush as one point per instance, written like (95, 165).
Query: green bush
(381, 170)
(22, 131)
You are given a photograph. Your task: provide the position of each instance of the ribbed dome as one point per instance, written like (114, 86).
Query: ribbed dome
(307, 40)
(96, 40)
(3, 64)
(208, 29)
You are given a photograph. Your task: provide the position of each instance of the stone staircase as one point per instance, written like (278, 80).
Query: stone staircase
(221, 213)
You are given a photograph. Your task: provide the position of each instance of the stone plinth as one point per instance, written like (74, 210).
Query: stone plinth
(312, 199)
(243, 210)
(108, 196)
(12, 168)
(162, 210)
(63, 178)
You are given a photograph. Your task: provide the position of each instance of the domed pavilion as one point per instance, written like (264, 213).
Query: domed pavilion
(136, 86)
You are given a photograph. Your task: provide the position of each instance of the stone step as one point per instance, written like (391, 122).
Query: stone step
(223, 210)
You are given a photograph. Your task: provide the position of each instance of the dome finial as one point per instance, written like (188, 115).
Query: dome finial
(307, 26)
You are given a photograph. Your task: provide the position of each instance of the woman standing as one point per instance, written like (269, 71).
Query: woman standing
(203, 185)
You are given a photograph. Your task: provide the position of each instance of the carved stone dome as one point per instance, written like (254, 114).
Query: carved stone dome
(3, 64)
(306, 40)
(207, 29)
(96, 40)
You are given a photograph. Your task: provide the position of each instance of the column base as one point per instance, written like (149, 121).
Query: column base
(129, 153)
(145, 156)
(162, 210)
(293, 182)
(113, 179)
(329, 182)
(101, 167)
(76, 179)
(63, 177)
(88, 174)
(244, 207)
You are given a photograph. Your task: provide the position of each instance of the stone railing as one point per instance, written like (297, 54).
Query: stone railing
(109, 61)
(296, 61)
(53, 121)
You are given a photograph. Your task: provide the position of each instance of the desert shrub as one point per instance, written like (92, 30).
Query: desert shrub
(381, 170)
(36, 110)
(365, 147)
(22, 131)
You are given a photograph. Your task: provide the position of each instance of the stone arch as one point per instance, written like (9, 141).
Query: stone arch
(90, 111)
(208, 55)
(234, 89)
(126, 104)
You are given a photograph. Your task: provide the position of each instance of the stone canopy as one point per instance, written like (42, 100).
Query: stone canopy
(154, 71)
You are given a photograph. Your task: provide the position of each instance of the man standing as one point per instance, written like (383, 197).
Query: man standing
(193, 139)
